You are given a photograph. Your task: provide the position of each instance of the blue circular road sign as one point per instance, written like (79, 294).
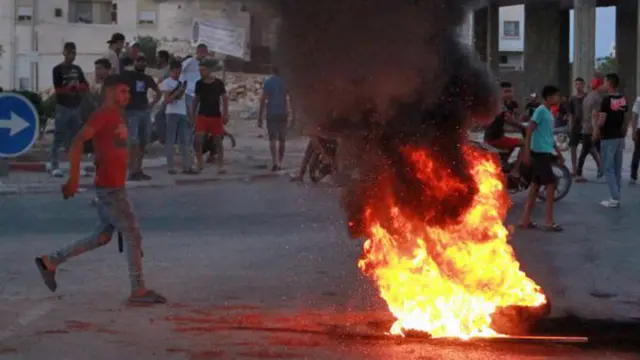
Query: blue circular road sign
(18, 125)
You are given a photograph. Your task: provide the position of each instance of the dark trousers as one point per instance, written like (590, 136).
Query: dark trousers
(588, 145)
(635, 159)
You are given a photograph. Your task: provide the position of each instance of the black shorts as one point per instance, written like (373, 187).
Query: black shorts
(277, 128)
(575, 137)
(542, 171)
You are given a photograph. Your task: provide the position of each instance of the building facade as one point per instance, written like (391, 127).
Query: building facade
(32, 32)
(511, 42)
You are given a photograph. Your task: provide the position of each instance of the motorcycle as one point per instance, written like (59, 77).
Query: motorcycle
(520, 184)
(323, 163)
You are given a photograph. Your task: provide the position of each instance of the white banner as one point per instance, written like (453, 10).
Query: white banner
(221, 37)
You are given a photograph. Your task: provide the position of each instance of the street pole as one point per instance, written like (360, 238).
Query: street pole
(34, 46)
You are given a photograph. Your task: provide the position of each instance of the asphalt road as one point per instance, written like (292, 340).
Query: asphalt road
(265, 271)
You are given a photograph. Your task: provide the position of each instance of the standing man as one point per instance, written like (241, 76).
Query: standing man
(108, 131)
(576, 118)
(191, 74)
(590, 111)
(163, 63)
(116, 44)
(177, 120)
(210, 120)
(274, 95)
(540, 151)
(635, 133)
(138, 114)
(70, 86)
(611, 129)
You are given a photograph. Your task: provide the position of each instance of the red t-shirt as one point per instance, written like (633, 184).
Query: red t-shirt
(110, 147)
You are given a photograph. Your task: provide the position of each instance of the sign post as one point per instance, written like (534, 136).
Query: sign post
(18, 128)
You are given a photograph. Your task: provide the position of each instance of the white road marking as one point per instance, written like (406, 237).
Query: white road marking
(26, 318)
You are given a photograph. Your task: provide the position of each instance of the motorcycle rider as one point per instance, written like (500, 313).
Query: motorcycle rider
(495, 134)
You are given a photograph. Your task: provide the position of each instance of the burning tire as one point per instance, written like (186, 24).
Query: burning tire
(518, 320)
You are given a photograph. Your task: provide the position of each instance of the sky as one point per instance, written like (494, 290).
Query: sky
(605, 31)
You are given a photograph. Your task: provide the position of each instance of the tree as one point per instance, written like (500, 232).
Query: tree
(149, 47)
(607, 64)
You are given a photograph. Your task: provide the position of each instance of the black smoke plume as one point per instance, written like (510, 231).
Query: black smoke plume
(386, 75)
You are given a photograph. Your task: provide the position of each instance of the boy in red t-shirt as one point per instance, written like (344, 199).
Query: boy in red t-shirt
(108, 130)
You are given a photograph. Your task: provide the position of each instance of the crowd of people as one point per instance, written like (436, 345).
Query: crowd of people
(598, 122)
(190, 106)
(112, 118)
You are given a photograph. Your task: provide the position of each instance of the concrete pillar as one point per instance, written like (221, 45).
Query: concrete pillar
(626, 46)
(546, 46)
(486, 33)
(584, 38)
(565, 82)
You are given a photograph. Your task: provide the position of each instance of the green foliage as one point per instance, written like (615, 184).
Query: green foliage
(607, 64)
(44, 108)
(149, 47)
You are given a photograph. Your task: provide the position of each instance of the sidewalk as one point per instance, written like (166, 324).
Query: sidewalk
(248, 161)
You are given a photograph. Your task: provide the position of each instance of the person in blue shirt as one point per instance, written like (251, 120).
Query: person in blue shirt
(275, 99)
(540, 151)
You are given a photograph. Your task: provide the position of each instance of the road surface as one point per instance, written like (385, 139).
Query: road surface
(265, 271)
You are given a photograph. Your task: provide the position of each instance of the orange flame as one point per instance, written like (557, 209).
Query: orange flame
(448, 280)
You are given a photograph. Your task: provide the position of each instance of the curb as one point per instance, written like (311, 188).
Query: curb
(28, 166)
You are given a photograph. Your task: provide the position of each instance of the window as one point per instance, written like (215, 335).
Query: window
(114, 12)
(24, 83)
(511, 29)
(24, 13)
(504, 59)
(146, 17)
(90, 12)
(84, 12)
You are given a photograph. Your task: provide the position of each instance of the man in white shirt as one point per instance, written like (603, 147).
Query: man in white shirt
(635, 133)
(116, 44)
(177, 121)
(191, 74)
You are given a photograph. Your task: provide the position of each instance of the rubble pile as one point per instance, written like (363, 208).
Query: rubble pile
(244, 89)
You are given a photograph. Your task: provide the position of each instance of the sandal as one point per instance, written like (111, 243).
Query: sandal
(553, 228)
(148, 298)
(528, 226)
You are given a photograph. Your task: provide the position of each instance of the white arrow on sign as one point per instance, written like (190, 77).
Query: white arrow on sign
(15, 124)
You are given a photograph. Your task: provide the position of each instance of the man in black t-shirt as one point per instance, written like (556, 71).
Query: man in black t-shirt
(138, 114)
(70, 86)
(210, 119)
(612, 129)
(576, 117)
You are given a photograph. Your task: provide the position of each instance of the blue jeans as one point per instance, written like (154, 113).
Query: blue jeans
(139, 126)
(178, 129)
(192, 120)
(67, 124)
(114, 213)
(611, 153)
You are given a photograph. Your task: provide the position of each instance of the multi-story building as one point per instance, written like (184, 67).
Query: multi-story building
(32, 32)
(511, 38)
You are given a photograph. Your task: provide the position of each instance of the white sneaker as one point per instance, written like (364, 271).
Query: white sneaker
(610, 203)
(57, 173)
